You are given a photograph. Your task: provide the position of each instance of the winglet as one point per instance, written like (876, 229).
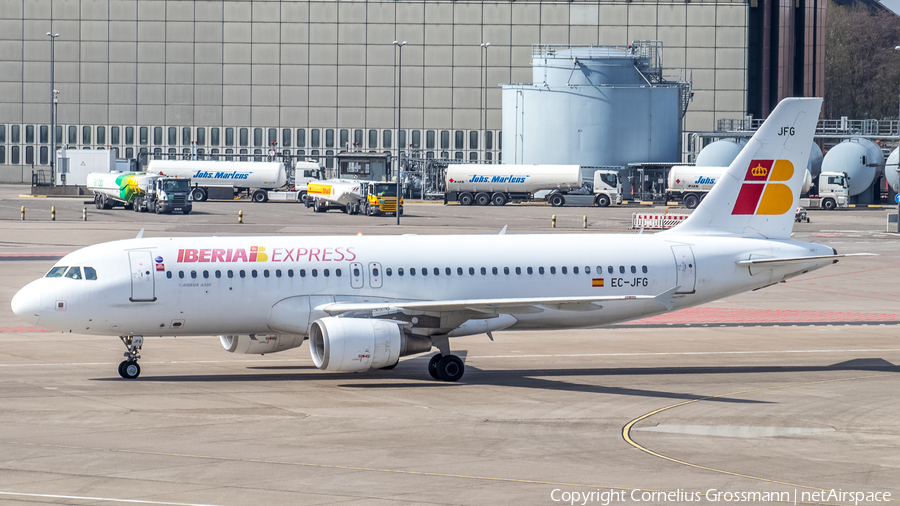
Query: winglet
(140, 234)
(503, 232)
(665, 299)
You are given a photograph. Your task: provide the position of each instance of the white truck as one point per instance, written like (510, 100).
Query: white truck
(833, 192)
(498, 184)
(230, 179)
(140, 191)
(689, 184)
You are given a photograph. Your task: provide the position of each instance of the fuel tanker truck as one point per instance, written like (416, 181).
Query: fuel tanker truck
(140, 192)
(234, 178)
(498, 184)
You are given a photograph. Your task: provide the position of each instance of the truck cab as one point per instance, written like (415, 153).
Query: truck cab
(834, 190)
(165, 195)
(607, 188)
(379, 198)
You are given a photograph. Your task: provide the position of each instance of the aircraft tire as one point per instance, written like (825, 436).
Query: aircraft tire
(432, 366)
(122, 367)
(450, 368)
(130, 370)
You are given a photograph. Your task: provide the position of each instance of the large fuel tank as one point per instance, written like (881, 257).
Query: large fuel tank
(860, 159)
(891, 171)
(720, 153)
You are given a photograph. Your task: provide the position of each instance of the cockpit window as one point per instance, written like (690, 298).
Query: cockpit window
(90, 273)
(56, 272)
(74, 273)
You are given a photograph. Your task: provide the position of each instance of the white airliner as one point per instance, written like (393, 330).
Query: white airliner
(364, 302)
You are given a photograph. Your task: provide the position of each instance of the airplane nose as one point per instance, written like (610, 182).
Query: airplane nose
(26, 304)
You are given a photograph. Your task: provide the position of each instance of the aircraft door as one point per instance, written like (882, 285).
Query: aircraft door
(685, 269)
(143, 287)
(356, 275)
(375, 274)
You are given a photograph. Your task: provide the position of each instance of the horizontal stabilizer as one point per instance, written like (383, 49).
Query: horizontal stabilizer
(774, 262)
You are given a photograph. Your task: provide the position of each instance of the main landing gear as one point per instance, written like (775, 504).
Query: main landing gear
(444, 366)
(129, 368)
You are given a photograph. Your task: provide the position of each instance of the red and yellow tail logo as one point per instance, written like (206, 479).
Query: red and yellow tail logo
(760, 193)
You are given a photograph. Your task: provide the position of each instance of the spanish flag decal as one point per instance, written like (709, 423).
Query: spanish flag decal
(597, 282)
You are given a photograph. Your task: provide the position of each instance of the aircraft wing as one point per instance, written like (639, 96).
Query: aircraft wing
(774, 262)
(494, 306)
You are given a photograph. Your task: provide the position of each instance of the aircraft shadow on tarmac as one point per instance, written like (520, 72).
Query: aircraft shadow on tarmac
(412, 373)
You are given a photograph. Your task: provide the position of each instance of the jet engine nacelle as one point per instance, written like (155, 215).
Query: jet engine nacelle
(359, 344)
(259, 344)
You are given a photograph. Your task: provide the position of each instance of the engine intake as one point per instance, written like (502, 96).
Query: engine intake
(259, 344)
(359, 344)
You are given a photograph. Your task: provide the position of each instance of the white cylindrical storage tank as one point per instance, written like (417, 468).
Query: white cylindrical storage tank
(815, 161)
(855, 157)
(592, 106)
(891, 171)
(720, 153)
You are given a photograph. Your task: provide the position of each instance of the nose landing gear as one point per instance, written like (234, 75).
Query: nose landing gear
(129, 368)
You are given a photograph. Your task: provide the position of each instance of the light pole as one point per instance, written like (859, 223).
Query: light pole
(399, 90)
(484, 46)
(54, 98)
(897, 168)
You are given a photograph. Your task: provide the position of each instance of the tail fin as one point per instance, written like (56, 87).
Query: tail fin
(757, 195)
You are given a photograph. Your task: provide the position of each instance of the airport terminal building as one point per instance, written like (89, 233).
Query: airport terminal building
(313, 78)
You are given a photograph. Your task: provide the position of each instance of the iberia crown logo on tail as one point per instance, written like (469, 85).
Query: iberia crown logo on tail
(763, 191)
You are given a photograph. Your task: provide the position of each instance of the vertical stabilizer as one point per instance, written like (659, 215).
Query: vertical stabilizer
(760, 190)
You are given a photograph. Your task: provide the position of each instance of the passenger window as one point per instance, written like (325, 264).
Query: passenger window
(587, 270)
(553, 270)
(242, 273)
(506, 270)
(424, 271)
(574, 270)
(193, 274)
(355, 271)
(540, 270)
(483, 271)
(230, 274)
(494, 271)
(180, 274)
(169, 274)
(530, 270)
(388, 271)
(471, 271)
(565, 270)
(400, 271)
(459, 271)
(205, 274)
(91, 274)
(253, 273)
(337, 272)
(302, 273)
(374, 272)
(218, 274)
(278, 273)
(412, 271)
(325, 272)
(599, 270)
(56, 272)
(266, 273)
(610, 269)
(438, 271)
(644, 269)
(74, 273)
(633, 269)
(621, 269)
